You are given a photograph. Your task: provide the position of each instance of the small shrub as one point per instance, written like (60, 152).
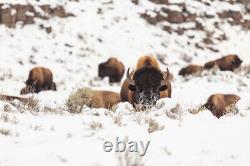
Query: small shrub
(245, 69)
(32, 104)
(129, 159)
(174, 113)
(231, 109)
(95, 125)
(154, 126)
(197, 109)
(7, 108)
(4, 131)
(118, 120)
(82, 97)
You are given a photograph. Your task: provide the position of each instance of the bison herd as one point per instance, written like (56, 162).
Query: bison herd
(142, 86)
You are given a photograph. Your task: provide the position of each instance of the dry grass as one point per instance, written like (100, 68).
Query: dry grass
(7, 108)
(95, 125)
(4, 131)
(245, 69)
(231, 109)
(197, 109)
(118, 120)
(82, 97)
(129, 158)
(175, 113)
(5, 118)
(32, 104)
(153, 126)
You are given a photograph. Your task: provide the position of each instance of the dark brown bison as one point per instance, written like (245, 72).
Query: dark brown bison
(229, 62)
(112, 68)
(217, 103)
(146, 84)
(39, 79)
(191, 70)
(104, 99)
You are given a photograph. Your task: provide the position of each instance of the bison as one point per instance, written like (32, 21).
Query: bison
(104, 99)
(92, 98)
(146, 84)
(112, 68)
(39, 79)
(191, 70)
(226, 63)
(218, 103)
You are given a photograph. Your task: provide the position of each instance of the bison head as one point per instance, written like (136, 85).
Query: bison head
(147, 83)
(236, 62)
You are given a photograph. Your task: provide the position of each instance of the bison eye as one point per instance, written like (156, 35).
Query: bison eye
(164, 87)
(132, 88)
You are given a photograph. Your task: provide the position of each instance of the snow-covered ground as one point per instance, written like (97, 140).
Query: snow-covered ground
(49, 135)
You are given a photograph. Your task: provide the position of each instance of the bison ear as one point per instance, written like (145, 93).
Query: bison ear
(132, 88)
(163, 87)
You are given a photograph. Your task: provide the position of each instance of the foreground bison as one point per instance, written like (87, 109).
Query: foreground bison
(191, 70)
(104, 99)
(39, 79)
(93, 99)
(218, 103)
(229, 62)
(112, 68)
(146, 84)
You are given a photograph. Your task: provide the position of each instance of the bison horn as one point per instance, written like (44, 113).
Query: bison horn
(165, 77)
(129, 79)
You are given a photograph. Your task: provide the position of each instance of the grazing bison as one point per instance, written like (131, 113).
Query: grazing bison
(146, 84)
(229, 62)
(191, 70)
(218, 103)
(112, 68)
(39, 79)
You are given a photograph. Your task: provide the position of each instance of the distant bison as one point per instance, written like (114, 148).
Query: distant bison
(39, 79)
(218, 103)
(146, 84)
(191, 70)
(112, 68)
(229, 62)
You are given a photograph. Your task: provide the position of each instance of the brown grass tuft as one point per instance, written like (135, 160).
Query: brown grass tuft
(82, 97)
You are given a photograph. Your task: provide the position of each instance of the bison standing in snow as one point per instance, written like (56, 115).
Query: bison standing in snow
(229, 62)
(112, 68)
(39, 79)
(146, 84)
(218, 103)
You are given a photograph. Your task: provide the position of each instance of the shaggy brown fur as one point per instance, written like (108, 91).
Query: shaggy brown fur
(148, 83)
(147, 60)
(191, 70)
(217, 103)
(112, 68)
(229, 62)
(39, 79)
(104, 99)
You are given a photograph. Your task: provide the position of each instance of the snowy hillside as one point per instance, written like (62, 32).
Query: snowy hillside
(43, 132)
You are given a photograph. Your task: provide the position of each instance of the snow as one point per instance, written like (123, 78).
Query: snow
(53, 136)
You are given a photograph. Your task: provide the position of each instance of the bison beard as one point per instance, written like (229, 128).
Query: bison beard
(147, 86)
